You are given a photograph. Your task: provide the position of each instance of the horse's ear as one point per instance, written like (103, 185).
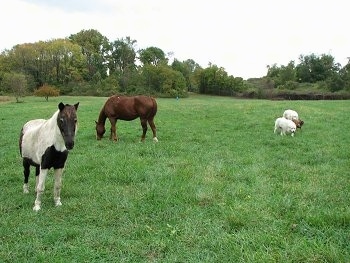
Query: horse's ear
(76, 106)
(61, 106)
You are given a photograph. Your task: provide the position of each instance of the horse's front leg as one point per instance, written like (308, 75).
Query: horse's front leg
(57, 187)
(144, 129)
(40, 189)
(154, 130)
(113, 135)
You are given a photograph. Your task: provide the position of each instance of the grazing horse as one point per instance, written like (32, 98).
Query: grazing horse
(127, 109)
(44, 144)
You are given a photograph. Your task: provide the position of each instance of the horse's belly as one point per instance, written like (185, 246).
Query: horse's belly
(31, 149)
(127, 118)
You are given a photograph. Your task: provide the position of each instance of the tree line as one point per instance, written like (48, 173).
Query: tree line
(87, 63)
(321, 71)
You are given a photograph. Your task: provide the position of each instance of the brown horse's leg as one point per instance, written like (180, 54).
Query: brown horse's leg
(154, 130)
(144, 129)
(113, 135)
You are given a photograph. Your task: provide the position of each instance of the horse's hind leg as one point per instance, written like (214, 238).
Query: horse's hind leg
(57, 187)
(26, 172)
(113, 135)
(144, 129)
(37, 172)
(154, 130)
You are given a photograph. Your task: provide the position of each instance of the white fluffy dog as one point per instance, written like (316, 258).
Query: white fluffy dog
(284, 126)
(291, 115)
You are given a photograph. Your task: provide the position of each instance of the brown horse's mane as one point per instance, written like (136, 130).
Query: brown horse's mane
(102, 116)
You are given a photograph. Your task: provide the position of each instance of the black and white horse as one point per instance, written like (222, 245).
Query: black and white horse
(44, 144)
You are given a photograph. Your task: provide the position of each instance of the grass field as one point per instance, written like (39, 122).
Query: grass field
(218, 187)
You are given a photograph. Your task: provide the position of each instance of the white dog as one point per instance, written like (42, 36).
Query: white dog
(284, 126)
(291, 115)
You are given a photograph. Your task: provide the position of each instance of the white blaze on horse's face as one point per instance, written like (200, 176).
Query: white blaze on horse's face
(67, 123)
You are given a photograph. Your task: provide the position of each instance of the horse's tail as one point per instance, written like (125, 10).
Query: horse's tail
(20, 141)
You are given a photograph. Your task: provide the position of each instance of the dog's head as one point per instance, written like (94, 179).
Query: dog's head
(298, 123)
(292, 129)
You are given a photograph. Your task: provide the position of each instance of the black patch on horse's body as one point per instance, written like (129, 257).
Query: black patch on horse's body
(53, 158)
(26, 165)
(50, 159)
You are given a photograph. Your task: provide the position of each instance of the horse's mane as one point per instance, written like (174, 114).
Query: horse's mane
(102, 116)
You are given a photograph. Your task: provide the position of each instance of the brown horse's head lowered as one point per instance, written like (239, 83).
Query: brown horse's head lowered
(100, 130)
(127, 109)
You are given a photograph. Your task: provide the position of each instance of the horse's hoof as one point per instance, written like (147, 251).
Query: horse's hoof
(155, 139)
(36, 208)
(58, 203)
(25, 188)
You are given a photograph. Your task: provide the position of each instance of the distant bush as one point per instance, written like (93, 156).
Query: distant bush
(46, 91)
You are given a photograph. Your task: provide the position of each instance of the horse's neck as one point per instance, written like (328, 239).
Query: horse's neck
(102, 117)
(48, 133)
(50, 125)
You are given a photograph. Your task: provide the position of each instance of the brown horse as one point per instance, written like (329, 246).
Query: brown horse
(127, 109)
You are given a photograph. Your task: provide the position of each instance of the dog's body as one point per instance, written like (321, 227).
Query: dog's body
(290, 115)
(285, 126)
(293, 116)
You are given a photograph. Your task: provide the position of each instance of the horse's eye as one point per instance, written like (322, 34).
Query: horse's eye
(62, 120)
(75, 120)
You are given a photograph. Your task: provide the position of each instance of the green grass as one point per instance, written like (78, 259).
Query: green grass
(218, 187)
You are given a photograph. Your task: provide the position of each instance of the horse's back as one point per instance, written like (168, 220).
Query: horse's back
(29, 138)
(32, 125)
(146, 105)
(130, 108)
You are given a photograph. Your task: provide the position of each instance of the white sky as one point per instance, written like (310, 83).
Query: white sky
(242, 36)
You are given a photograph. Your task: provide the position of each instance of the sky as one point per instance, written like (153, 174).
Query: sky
(241, 36)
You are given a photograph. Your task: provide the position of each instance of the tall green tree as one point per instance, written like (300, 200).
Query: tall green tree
(314, 68)
(15, 83)
(345, 76)
(162, 79)
(122, 59)
(283, 74)
(215, 80)
(122, 55)
(57, 61)
(95, 48)
(188, 69)
(152, 56)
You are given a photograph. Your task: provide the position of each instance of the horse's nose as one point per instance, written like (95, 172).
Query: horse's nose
(70, 145)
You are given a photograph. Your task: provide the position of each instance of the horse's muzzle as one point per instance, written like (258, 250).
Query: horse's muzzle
(70, 145)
